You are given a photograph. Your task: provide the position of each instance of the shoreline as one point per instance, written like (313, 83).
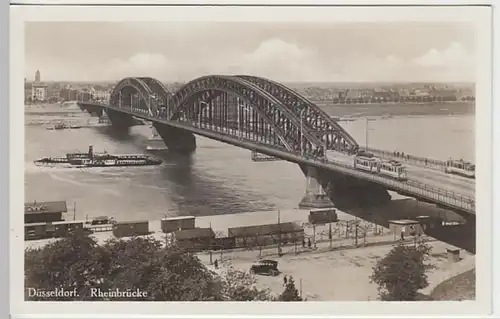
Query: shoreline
(398, 208)
(334, 110)
(347, 257)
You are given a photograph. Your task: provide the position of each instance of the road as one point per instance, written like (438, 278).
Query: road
(415, 172)
(457, 184)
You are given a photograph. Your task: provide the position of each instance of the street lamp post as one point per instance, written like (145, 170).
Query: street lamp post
(366, 131)
(366, 134)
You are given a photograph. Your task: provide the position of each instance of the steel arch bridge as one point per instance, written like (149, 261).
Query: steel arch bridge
(268, 118)
(253, 108)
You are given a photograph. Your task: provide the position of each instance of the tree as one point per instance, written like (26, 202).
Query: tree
(237, 285)
(71, 263)
(290, 293)
(165, 273)
(401, 273)
(144, 264)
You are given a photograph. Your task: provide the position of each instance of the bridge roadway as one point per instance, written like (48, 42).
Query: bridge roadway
(457, 184)
(416, 170)
(452, 192)
(408, 159)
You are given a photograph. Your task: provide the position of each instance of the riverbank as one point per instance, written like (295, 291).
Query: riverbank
(459, 287)
(52, 109)
(338, 274)
(326, 272)
(373, 221)
(334, 110)
(398, 109)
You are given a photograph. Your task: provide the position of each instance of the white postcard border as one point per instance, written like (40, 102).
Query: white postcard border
(480, 16)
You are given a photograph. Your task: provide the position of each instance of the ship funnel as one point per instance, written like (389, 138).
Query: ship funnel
(91, 152)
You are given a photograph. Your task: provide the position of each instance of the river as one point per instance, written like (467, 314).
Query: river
(217, 178)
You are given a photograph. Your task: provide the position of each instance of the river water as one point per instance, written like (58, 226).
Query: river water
(217, 178)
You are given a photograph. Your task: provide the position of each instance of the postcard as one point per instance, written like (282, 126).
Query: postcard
(279, 156)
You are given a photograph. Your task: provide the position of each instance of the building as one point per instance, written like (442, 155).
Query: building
(405, 228)
(38, 88)
(84, 95)
(101, 95)
(37, 212)
(68, 94)
(53, 92)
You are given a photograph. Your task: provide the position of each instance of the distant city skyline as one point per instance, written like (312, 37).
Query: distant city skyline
(179, 52)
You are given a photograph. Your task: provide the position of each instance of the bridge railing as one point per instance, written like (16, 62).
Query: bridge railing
(412, 159)
(409, 187)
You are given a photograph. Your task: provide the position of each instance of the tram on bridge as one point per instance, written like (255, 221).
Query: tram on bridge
(461, 167)
(392, 168)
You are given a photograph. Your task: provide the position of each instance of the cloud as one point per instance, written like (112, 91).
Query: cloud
(140, 64)
(272, 58)
(454, 55)
(454, 63)
(286, 61)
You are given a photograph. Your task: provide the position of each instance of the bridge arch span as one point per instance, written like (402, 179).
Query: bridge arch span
(157, 88)
(138, 86)
(270, 109)
(314, 118)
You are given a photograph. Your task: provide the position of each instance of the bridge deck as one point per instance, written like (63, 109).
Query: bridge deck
(457, 184)
(423, 182)
(409, 159)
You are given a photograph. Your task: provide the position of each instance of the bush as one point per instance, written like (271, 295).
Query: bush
(144, 264)
(290, 293)
(401, 273)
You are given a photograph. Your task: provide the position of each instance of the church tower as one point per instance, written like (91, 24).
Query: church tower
(37, 76)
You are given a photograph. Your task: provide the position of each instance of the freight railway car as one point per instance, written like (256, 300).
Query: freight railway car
(33, 231)
(323, 216)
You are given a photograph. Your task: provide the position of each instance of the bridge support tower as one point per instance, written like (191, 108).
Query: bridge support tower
(326, 189)
(315, 196)
(120, 122)
(95, 111)
(176, 139)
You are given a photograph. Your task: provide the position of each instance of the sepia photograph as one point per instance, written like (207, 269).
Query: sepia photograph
(274, 160)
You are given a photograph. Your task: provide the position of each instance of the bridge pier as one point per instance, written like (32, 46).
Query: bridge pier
(177, 140)
(94, 111)
(315, 196)
(326, 189)
(120, 122)
(348, 193)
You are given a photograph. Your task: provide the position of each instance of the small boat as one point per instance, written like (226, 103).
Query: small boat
(59, 126)
(156, 148)
(73, 127)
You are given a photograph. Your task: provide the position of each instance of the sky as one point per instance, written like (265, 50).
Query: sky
(298, 52)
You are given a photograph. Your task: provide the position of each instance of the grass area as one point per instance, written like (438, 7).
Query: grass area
(460, 287)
